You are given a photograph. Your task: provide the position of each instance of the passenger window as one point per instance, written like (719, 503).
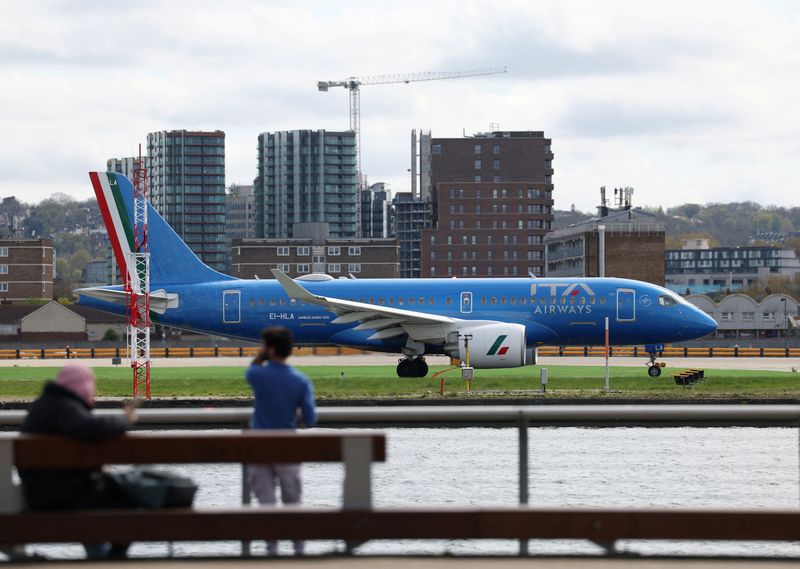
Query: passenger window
(483, 300)
(563, 300)
(411, 300)
(421, 300)
(283, 301)
(360, 300)
(431, 301)
(391, 300)
(380, 301)
(272, 302)
(542, 300)
(524, 300)
(502, 300)
(513, 300)
(583, 300)
(399, 301)
(592, 299)
(493, 300)
(448, 300)
(572, 300)
(251, 302)
(602, 300)
(372, 300)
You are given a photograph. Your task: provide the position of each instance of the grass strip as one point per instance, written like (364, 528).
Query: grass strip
(331, 382)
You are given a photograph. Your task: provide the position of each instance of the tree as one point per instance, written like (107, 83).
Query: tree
(110, 335)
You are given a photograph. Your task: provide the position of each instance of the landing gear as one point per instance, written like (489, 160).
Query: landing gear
(412, 367)
(654, 367)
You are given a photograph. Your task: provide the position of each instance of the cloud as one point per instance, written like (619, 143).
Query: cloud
(605, 119)
(685, 101)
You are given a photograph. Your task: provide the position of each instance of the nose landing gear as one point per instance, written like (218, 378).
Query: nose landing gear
(412, 367)
(654, 367)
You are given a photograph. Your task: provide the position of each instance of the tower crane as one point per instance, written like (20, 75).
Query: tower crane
(353, 84)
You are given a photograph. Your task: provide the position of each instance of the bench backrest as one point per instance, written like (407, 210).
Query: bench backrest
(357, 450)
(51, 451)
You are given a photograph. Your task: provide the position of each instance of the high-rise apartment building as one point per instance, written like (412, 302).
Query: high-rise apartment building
(376, 212)
(186, 178)
(124, 166)
(412, 215)
(492, 204)
(240, 215)
(307, 185)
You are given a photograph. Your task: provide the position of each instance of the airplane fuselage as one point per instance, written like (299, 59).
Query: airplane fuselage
(553, 311)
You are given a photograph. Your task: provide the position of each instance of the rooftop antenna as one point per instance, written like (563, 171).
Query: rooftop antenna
(602, 209)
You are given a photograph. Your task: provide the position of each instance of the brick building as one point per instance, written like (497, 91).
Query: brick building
(26, 269)
(492, 204)
(634, 248)
(363, 258)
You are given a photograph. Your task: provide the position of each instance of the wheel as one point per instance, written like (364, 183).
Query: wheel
(420, 367)
(654, 370)
(404, 368)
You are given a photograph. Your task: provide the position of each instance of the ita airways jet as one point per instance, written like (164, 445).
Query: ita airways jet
(504, 319)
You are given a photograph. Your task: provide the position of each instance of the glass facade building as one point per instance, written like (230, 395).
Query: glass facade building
(186, 177)
(306, 177)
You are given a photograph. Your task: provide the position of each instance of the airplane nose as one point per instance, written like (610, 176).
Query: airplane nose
(705, 324)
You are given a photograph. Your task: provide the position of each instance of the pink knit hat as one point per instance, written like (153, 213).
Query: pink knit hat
(78, 379)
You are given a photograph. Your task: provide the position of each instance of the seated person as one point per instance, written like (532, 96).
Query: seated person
(64, 408)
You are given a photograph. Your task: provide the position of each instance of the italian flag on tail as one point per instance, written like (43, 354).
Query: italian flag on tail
(117, 220)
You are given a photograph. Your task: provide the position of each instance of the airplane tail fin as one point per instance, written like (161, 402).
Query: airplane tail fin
(171, 260)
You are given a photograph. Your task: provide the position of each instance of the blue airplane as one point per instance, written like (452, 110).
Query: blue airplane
(503, 320)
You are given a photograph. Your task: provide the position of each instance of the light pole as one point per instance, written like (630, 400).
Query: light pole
(785, 331)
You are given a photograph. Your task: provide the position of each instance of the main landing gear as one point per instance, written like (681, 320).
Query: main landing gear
(412, 367)
(654, 367)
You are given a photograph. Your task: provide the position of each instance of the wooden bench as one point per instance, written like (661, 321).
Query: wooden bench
(356, 522)
(603, 527)
(357, 450)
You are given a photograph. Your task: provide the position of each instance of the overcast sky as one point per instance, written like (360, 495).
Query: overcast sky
(684, 101)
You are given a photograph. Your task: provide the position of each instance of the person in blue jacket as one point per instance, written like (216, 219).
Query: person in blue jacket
(280, 395)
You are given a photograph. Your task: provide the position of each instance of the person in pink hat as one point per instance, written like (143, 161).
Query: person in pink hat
(65, 408)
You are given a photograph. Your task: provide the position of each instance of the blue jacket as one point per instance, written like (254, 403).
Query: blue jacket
(279, 390)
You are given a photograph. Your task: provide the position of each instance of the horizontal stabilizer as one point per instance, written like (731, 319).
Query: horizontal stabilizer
(160, 300)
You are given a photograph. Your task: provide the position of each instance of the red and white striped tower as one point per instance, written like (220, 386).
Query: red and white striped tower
(138, 286)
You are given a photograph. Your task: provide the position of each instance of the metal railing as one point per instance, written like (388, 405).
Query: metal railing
(519, 417)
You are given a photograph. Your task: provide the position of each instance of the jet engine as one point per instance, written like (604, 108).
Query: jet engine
(491, 345)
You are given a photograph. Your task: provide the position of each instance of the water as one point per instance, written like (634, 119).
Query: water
(569, 467)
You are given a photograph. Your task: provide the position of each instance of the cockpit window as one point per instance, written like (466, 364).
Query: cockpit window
(665, 300)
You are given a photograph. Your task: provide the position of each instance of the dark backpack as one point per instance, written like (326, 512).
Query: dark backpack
(156, 488)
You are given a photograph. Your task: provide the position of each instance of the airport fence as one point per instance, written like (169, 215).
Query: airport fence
(251, 351)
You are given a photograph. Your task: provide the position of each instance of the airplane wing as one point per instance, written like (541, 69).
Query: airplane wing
(387, 321)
